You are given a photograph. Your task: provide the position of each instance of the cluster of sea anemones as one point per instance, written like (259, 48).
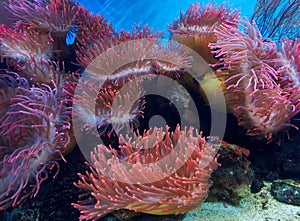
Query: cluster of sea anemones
(61, 63)
(40, 85)
(260, 78)
(35, 121)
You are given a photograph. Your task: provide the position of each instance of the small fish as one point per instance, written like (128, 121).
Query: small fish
(71, 35)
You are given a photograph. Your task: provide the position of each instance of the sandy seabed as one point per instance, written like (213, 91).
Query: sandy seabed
(256, 207)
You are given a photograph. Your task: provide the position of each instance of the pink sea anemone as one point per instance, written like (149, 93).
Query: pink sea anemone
(29, 53)
(127, 55)
(246, 55)
(47, 16)
(107, 108)
(288, 68)
(35, 110)
(93, 27)
(176, 185)
(24, 45)
(55, 19)
(249, 72)
(113, 63)
(288, 64)
(265, 112)
(34, 131)
(103, 61)
(195, 28)
(9, 81)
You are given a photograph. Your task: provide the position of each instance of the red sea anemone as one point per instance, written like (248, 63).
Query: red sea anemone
(157, 173)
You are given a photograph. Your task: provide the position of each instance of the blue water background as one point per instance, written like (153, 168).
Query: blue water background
(156, 13)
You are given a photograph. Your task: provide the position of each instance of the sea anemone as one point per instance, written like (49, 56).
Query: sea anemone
(195, 28)
(46, 16)
(9, 81)
(157, 173)
(288, 65)
(248, 65)
(265, 112)
(127, 59)
(93, 27)
(103, 60)
(129, 55)
(57, 20)
(107, 108)
(24, 45)
(34, 131)
(246, 55)
(29, 53)
(288, 68)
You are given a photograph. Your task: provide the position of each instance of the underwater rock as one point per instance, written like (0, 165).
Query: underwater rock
(290, 167)
(286, 191)
(129, 215)
(232, 180)
(125, 215)
(256, 185)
